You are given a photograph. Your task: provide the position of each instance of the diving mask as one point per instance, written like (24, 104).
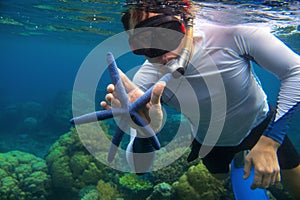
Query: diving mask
(157, 35)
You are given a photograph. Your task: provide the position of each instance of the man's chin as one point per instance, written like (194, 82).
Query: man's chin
(156, 60)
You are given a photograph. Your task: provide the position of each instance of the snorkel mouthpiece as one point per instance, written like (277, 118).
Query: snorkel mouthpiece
(177, 67)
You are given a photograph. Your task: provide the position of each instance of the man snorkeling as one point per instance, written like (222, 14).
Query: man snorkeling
(198, 54)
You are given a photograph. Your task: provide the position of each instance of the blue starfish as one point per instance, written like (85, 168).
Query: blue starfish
(125, 112)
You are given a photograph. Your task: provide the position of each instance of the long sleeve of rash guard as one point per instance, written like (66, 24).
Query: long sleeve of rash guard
(273, 55)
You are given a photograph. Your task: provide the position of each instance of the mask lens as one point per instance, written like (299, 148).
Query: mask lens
(158, 39)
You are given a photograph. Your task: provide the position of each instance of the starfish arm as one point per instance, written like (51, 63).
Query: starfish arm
(141, 101)
(98, 115)
(116, 80)
(146, 129)
(117, 138)
(145, 98)
(92, 117)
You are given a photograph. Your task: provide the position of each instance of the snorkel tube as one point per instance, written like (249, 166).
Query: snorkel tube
(177, 67)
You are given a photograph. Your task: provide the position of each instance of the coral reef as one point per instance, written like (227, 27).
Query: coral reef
(89, 193)
(76, 174)
(198, 183)
(26, 143)
(107, 191)
(72, 167)
(30, 123)
(23, 176)
(31, 115)
(60, 111)
(32, 109)
(174, 171)
(172, 157)
(26, 117)
(162, 191)
(135, 183)
(279, 192)
(135, 187)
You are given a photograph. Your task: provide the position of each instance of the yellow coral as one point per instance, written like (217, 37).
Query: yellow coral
(107, 191)
(135, 183)
(198, 183)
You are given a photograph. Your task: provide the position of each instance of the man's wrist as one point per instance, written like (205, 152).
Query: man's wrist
(269, 142)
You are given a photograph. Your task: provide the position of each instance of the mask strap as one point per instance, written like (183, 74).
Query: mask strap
(155, 21)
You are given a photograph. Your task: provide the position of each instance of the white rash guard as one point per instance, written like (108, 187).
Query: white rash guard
(219, 92)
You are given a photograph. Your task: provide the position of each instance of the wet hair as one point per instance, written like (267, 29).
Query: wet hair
(139, 10)
(171, 7)
(132, 17)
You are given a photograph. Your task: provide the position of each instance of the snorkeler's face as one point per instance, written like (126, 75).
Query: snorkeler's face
(157, 35)
(165, 58)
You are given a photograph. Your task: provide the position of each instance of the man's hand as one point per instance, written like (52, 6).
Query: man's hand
(263, 157)
(151, 113)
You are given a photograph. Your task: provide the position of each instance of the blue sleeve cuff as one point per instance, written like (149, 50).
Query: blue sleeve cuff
(277, 130)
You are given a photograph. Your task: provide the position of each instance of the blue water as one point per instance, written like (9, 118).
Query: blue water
(42, 47)
(43, 44)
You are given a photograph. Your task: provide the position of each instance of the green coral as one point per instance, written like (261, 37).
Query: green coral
(72, 167)
(174, 171)
(89, 193)
(135, 183)
(279, 192)
(23, 176)
(173, 156)
(162, 191)
(103, 191)
(198, 183)
(107, 191)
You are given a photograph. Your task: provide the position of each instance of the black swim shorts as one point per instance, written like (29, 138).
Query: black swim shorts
(219, 158)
